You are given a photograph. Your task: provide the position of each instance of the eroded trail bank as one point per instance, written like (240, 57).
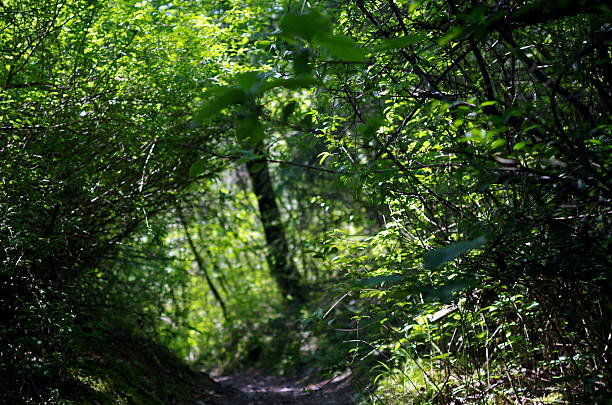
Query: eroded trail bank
(258, 389)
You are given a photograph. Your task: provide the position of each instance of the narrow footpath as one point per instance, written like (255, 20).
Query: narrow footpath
(260, 389)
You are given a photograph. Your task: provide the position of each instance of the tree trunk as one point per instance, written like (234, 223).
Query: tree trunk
(200, 262)
(282, 267)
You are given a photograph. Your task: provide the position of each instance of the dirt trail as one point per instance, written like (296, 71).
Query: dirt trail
(261, 389)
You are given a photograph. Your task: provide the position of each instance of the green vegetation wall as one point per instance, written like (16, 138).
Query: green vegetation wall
(441, 166)
(482, 129)
(95, 135)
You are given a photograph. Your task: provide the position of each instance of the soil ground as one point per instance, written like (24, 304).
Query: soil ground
(260, 389)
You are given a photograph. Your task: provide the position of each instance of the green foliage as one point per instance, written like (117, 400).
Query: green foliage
(455, 130)
(95, 143)
(220, 98)
(250, 88)
(316, 29)
(439, 257)
(441, 170)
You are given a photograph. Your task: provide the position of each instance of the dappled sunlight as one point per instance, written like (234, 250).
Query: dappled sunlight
(325, 202)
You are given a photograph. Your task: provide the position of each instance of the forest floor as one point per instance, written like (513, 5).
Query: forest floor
(257, 388)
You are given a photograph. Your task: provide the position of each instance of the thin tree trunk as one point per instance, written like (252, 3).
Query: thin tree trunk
(281, 263)
(200, 262)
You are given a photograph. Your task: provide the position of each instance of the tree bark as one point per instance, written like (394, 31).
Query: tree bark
(282, 267)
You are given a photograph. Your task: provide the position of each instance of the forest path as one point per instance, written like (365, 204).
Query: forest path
(261, 389)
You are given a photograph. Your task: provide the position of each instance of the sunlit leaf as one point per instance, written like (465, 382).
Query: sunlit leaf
(497, 143)
(322, 156)
(519, 146)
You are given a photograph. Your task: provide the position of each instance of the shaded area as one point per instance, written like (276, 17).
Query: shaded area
(261, 389)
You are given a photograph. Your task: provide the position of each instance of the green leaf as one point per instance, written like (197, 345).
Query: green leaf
(298, 82)
(220, 98)
(400, 42)
(445, 293)
(519, 146)
(497, 143)
(301, 58)
(306, 122)
(251, 130)
(249, 81)
(197, 168)
(370, 127)
(454, 33)
(305, 26)
(256, 167)
(439, 257)
(386, 279)
(317, 29)
(488, 103)
(342, 47)
(323, 156)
